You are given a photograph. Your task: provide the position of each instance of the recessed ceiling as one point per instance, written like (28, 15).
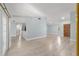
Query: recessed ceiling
(53, 11)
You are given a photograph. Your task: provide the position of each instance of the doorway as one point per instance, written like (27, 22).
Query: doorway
(66, 30)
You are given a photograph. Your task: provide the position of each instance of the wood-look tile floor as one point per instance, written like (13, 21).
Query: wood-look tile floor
(49, 46)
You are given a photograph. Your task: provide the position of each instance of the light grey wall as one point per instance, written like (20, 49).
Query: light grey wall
(73, 26)
(0, 33)
(58, 27)
(34, 27)
(60, 31)
(52, 29)
(5, 32)
(12, 29)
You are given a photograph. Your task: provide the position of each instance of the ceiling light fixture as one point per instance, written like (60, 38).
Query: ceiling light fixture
(62, 18)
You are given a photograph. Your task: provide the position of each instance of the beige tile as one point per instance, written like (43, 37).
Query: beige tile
(50, 46)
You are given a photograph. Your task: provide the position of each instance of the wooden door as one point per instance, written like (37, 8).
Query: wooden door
(66, 30)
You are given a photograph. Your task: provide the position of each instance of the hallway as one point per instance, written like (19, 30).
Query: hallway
(52, 45)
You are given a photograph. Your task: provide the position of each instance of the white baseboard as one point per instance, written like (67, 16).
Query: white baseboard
(36, 37)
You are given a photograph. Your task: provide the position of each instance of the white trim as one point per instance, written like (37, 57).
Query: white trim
(36, 37)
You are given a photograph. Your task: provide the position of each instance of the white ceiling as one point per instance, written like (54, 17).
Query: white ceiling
(53, 11)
